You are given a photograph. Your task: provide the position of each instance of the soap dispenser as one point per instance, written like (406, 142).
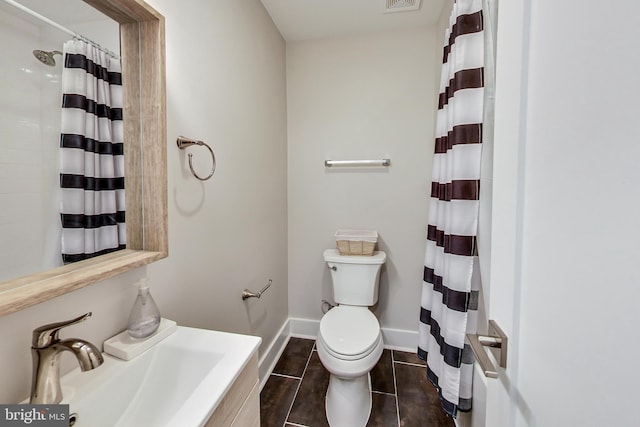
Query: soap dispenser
(145, 316)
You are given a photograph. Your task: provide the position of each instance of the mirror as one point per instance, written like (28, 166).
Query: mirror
(142, 53)
(30, 125)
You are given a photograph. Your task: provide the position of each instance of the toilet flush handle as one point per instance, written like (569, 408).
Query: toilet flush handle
(332, 267)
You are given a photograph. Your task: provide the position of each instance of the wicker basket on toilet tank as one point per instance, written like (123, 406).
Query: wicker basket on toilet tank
(356, 242)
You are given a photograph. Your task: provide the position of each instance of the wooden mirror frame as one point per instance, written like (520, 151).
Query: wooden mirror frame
(143, 73)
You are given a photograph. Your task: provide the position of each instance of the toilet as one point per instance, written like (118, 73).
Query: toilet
(349, 340)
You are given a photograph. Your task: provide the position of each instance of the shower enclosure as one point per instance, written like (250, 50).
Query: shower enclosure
(30, 101)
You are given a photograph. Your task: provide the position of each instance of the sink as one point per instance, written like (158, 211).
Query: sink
(178, 382)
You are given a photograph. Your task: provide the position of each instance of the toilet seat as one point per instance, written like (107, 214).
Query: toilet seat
(349, 333)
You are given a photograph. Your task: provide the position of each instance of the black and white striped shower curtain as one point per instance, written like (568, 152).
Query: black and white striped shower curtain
(451, 275)
(92, 207)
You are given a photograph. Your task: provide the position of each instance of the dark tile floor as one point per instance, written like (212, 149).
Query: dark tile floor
(402, 396)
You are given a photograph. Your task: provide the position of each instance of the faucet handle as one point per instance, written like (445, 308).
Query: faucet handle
(44, 336)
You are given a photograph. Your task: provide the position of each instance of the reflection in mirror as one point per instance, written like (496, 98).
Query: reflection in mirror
(141, 48)
(30, 117)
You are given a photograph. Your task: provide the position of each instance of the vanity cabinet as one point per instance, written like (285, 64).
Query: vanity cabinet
(240, 407)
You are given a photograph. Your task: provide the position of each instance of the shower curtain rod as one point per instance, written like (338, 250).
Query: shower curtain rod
(60, 27)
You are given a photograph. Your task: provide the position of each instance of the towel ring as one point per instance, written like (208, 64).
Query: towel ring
(187, 142)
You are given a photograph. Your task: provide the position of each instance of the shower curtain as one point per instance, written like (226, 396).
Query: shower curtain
(451, 278)
(92, 207)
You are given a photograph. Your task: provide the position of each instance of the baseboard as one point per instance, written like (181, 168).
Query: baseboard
(270, 357)
(400, 339)
(304, 328)
(394, 339)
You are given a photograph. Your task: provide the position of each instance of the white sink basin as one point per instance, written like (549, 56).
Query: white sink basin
(178, 382)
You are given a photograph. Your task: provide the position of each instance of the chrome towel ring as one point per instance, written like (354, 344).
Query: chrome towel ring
(184, 142)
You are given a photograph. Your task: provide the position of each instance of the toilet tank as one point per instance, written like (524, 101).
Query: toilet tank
(355, 278)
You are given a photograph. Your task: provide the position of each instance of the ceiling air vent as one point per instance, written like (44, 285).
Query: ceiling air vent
(389, 6)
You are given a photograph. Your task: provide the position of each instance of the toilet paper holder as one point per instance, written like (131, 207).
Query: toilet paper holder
(246, 293)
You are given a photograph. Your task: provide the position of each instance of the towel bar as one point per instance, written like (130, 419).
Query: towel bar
(497, 342)
(351, 163)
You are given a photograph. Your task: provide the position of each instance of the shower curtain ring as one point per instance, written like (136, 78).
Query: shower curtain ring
(187, 142)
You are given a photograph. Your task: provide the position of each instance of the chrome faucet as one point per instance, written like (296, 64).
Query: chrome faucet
(46, 348)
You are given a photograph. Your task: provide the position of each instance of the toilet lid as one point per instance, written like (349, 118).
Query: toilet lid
(349, 331)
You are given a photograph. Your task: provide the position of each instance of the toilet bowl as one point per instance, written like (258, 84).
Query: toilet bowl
(349, 340)
(349, 345)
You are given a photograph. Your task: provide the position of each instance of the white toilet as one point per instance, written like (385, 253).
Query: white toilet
(349, 341)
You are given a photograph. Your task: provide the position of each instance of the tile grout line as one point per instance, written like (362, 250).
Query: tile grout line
(292, 401)
(298, 388)
(410, 364)
(293, 377)
(384, 393)
(395, 386)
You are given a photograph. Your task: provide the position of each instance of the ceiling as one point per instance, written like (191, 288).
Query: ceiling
(296, 19)
(300, 20)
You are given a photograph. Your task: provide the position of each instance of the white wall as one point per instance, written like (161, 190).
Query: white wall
(564, 256)
(361, 97)
(225, 85)
(580, 276)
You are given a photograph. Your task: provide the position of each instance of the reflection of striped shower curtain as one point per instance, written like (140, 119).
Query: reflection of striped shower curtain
(92, 162)
(451, 277)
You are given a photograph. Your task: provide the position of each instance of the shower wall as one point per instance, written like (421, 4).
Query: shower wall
(29, 135)
(30, 98)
